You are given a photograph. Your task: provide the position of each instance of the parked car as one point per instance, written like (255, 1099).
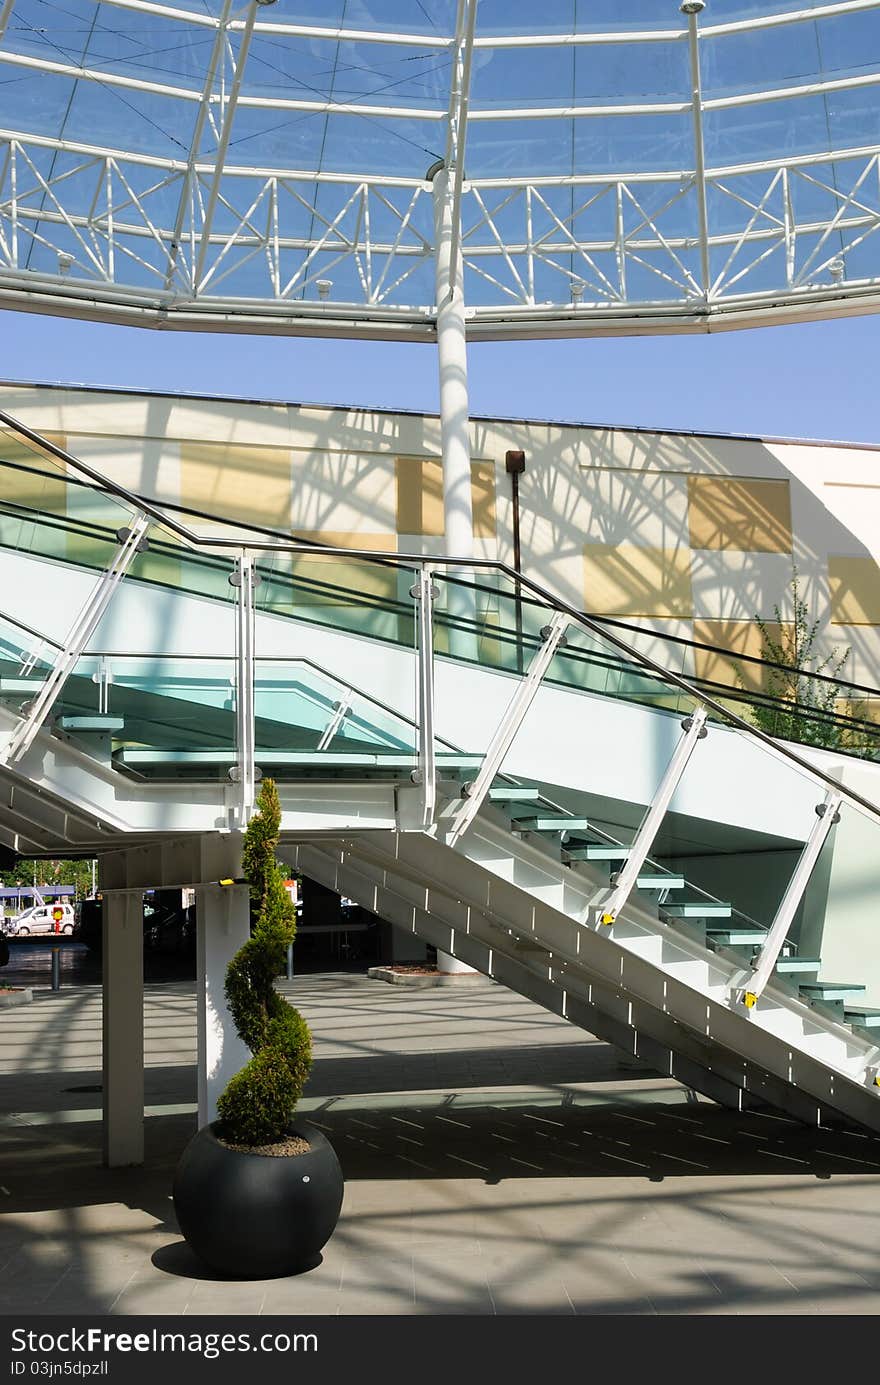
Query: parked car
(42, 918)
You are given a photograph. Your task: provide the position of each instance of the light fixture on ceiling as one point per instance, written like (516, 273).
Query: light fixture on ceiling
(323, 286)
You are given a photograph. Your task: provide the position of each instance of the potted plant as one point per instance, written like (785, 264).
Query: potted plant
(257, 1192)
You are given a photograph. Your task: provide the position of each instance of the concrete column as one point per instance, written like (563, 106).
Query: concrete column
(123, 1027)
(447, 963)
(223, 924)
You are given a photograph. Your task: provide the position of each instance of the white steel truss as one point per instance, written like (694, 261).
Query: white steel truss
(205, 240)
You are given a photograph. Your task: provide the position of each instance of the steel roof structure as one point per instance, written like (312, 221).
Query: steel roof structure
(603, 167)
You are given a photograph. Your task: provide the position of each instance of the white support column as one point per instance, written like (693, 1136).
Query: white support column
(223, 924)
(123, 1027)
(452, 363)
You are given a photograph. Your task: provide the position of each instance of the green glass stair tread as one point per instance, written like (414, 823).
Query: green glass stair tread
(737, 937)
(697, 910)
(598, 853)
(514, 795)
(863, 1015)
(161, 755)
(794, 964)
(96, 723)
(20, 685)
(660, 882)
(829, 990)
(553, 824)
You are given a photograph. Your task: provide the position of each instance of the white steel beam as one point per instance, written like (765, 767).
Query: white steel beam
(5, 15)
(132, 541)
(827, 815)
(694, 731)
(691, 8)
(526, 691)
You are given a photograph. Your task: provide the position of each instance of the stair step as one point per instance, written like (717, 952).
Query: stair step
(829, 990)
(552, 824)
(737, 937)
(697, 910)
(598, 853)
(796, 964)
(96, 723)
(862, 1016)
(510, 794)
(660, 882)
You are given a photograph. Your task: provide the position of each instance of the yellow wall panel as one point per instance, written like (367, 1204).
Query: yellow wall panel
(744, 515)
(855, 591)
(740, 637)
(420, 497)
(626, 580)
(251, 483)
(334, 581)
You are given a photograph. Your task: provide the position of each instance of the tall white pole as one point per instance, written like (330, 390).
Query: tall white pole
(455, 439)
(452, 361)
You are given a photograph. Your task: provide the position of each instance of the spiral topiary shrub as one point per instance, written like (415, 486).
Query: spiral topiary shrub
(257, 1106)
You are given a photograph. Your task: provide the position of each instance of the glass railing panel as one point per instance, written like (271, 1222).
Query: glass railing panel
(349, 593)
(308, 720)
(163, 715)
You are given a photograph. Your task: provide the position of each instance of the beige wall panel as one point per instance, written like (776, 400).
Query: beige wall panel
(624, 580)
(343, 491)
(740, 637)
(252, 483)
(341, 576)
(855, 590)
(863, 709)
(420, 497)
(746, 515)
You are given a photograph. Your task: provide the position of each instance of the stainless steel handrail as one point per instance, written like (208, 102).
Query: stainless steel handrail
(415, 561)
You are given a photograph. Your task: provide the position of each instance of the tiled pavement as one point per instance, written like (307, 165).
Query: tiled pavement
(496, 1161)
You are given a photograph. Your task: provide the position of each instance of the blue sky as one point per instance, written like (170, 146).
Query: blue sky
(815, 380)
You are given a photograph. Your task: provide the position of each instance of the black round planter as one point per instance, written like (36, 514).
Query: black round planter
(254, 1216)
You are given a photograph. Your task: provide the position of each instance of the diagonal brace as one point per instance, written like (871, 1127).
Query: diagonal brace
(474, 793)
(694, 731)
(132, 542)
(827, 814)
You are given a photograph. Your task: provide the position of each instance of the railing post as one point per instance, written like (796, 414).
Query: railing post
(244, 772)
(694, 731)
(474, 793)
(132, 541)
(424, 594)
(827, 814)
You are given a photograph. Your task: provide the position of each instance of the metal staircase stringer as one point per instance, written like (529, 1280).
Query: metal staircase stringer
(605, 1001)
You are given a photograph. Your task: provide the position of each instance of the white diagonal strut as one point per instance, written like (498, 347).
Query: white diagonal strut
(223, 144)
(692, 8)
(827, 814)
(694, 731)
(132, 542)
(527, 688)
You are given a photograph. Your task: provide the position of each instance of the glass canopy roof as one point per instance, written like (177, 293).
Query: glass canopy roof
(613, 165)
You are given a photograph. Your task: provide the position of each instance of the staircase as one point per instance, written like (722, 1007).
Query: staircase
(466, 757)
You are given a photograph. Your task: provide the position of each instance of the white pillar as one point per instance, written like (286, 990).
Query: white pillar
(454, 427)
(123, 1027)
(452, 362)
(223, 924)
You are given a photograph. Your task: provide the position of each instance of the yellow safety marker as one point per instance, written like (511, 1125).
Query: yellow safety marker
(607, 919)
(750, 1000)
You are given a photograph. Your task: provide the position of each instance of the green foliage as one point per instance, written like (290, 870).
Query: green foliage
(800, 707)
(259, 1101)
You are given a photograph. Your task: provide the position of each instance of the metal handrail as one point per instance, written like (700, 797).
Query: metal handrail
(413, 561)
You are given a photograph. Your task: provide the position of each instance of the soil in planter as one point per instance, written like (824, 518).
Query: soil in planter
(278, 1149)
